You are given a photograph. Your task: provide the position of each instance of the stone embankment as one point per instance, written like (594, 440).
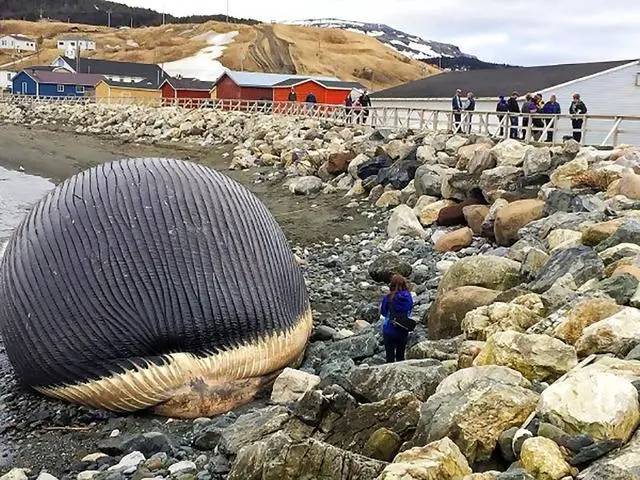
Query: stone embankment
(525, 264)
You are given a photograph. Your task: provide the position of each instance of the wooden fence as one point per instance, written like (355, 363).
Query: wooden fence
(601, 130)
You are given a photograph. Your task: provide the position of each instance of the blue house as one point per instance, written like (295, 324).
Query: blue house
(43, 83)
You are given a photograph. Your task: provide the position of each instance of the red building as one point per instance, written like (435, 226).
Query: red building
(276, 87)
(328, 92)
(185, 88)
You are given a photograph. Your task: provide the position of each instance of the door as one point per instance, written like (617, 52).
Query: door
(24, 88)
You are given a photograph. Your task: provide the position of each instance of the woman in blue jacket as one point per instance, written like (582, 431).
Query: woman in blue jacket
(397, 302)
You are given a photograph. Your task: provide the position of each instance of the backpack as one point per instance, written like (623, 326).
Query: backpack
(401, 320)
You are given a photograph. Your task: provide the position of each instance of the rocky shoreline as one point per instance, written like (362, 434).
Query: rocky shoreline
(526, 365)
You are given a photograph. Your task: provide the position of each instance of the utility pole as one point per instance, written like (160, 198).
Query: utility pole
(227, 11)
(109, 18)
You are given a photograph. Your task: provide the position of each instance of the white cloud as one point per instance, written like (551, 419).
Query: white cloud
(518, 32)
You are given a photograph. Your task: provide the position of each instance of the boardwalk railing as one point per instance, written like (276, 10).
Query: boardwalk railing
(602, 130)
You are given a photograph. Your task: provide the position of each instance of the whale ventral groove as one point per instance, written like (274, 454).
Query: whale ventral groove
(128, 265)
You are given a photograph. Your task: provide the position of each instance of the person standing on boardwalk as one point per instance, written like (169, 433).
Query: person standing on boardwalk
(469, 106)
(348, 105)
(311, 101)
(365, 103)
(528, 107)
(456, 106)
(552, 107)
(397, 302)
(501, 108)
(514, 120)
(577, 108)
(293, 97)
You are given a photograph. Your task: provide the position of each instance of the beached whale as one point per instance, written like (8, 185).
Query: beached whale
(151, 283)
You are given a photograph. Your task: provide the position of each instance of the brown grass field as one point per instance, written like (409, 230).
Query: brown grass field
(265, 47)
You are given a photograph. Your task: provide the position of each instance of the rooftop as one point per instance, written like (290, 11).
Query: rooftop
(189, 84)
(22, 38)
(150, 71)
(258, 79)
(144, 84)
(59, 78)
(501, 81)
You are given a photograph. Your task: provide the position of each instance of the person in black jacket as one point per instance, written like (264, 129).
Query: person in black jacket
(456, 106)
(293, 97)
(365, 103)
(501, 107)
(514, 108)
(577, 108)
(469, 106)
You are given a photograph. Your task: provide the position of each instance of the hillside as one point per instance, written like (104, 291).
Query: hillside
(262, 47)
(95, 12)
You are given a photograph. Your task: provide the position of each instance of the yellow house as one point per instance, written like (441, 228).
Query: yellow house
(114, 91)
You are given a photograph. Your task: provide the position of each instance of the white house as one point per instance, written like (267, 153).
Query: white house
(607, 88)
(18, 43)
(71, 44)
(6, 76)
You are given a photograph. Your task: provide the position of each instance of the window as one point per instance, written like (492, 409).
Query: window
(60, 88)
(73, 44)
(79, 88)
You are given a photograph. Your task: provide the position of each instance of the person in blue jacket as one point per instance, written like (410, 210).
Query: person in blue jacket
(552, 107)
(398, 301)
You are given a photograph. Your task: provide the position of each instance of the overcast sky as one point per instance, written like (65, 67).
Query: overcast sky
(520, 32)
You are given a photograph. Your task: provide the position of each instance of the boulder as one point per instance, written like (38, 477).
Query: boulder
(629, 185)
(386, 265)
(383, 445)
(389, 199)
(474, 377)
(370, 168)
(403, 222)
(428, 213)
(474, 417)
(247, 429)
(355, 164)
(488, 271)
(456, 142)
(445, 349)
(543, 459)
(593, 402)
(441, 460)
(620, 251)
(584, 313)
(622, 464)
(379, 382)
(533, 262)
(628, 232)
(400, 173)
(621, 287)
(563, 176)
(397, 149)
(537, 357)
(537, 160)
(510, 219)
(339, 162)
(599, 232)
(283, 458)
(426, 154)
(481, 323)
(475, 215)
(455, 240)
(291, 385)
(449, 309)
(509, 152)
(353, 428)
(500, 179)
(582, 263)
(615, 334)
(15, 474)
(468, 152)
(429, 179)
(305, 185)
(563, 238)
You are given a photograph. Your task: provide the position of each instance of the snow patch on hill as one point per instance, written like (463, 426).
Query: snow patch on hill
(411, 46)
(204, 65)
